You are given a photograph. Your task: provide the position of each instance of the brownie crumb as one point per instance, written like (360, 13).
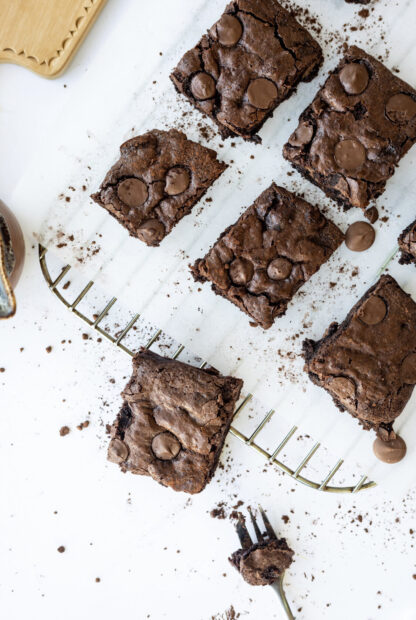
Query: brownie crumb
(83, 425)
(64, 430)
(48, 349)
(61, 549)
(97, 580)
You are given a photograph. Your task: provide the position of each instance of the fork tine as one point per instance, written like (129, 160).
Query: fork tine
(259, 535)
(267, 524)
(243, 534)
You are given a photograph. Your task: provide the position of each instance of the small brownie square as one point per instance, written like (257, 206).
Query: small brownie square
(173, 422)
(407, 245)
(263, 563)
(159, 177)
(251, 60)
(264, 258)
(353, 135)
(368, 362)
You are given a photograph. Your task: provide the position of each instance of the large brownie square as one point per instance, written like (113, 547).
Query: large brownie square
(260, 262)
(368, 362)
(251, 60)
(159, 177)
(173, 422)
(353, 135)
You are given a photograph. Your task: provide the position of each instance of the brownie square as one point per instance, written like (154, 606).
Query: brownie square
(368, 362)
(264, 258)
(353, 135)
(251, 60)
(263, 563)
(173, 422)
(407, 245)
(159, 177)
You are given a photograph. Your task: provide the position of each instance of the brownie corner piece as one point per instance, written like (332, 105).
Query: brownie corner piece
(261, 564)
(173, 422)
(261, 261)
(407, 245)
(353, 135)
(368, 362)
(250, 61)
(159, 177)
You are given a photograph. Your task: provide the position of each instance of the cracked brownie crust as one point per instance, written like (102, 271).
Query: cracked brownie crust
(159, 177)
(368, 362)
(173, 422)
(353, 135)
(264, 258)
(249, 61)
(263, 563)
(407, 244)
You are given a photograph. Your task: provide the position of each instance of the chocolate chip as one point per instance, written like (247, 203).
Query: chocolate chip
(279, 269)
(350, 154)
(372, 215)
(360, 236)
(354, 78)
(343, 387)
(151, 231)
(261, 93)
(391, 451)
(401, 108)
(177, 181)
(241, 271)
(133, 192)
(302, 135)
(408, 369)
(229, 30)
(118, 451)
(373, 311)
(203, 86)
(165, 446)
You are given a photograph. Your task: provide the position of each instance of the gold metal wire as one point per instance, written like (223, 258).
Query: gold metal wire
(249, 441)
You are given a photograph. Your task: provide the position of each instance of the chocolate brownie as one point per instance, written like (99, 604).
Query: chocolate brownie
(353, 135)
(407, 244)
(368, 362)
(159, 177)
(251, 60)
(173, 422)
(263, 563)
(264, 258)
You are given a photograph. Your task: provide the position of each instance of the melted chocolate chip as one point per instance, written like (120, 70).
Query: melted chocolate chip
(373, 311)
(261, 93)
(177, 181)
(229, 30)
(360, 236)
(391, 451)
(408, 369)
(279, 269)
(203, 86)
(401, 108)
(151, 231)
(241, 271)
(165, 446)
(350, 154)
(118, 451)
(133, 192)
(354, 78)
(302, 135)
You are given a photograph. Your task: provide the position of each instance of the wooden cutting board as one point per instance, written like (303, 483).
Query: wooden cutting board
(43, 35)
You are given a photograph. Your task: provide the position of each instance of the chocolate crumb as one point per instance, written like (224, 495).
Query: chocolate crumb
(64, 430)
(61, 549)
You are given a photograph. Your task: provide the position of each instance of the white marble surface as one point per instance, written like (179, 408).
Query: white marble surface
(354, 555)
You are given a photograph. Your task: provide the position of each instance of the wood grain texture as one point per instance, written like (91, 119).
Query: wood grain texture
(42, 35)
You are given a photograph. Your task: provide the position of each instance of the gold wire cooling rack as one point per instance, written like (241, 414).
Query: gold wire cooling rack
(271, 457)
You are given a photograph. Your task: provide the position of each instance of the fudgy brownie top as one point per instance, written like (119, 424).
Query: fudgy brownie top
(249, 62)
(368, 363)
(264, 258)
(173, 422)
(263, 563)
(156, 182)
(407, 244)
(356, 130)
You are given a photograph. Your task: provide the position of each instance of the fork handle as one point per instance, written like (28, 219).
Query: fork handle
(278, 588)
